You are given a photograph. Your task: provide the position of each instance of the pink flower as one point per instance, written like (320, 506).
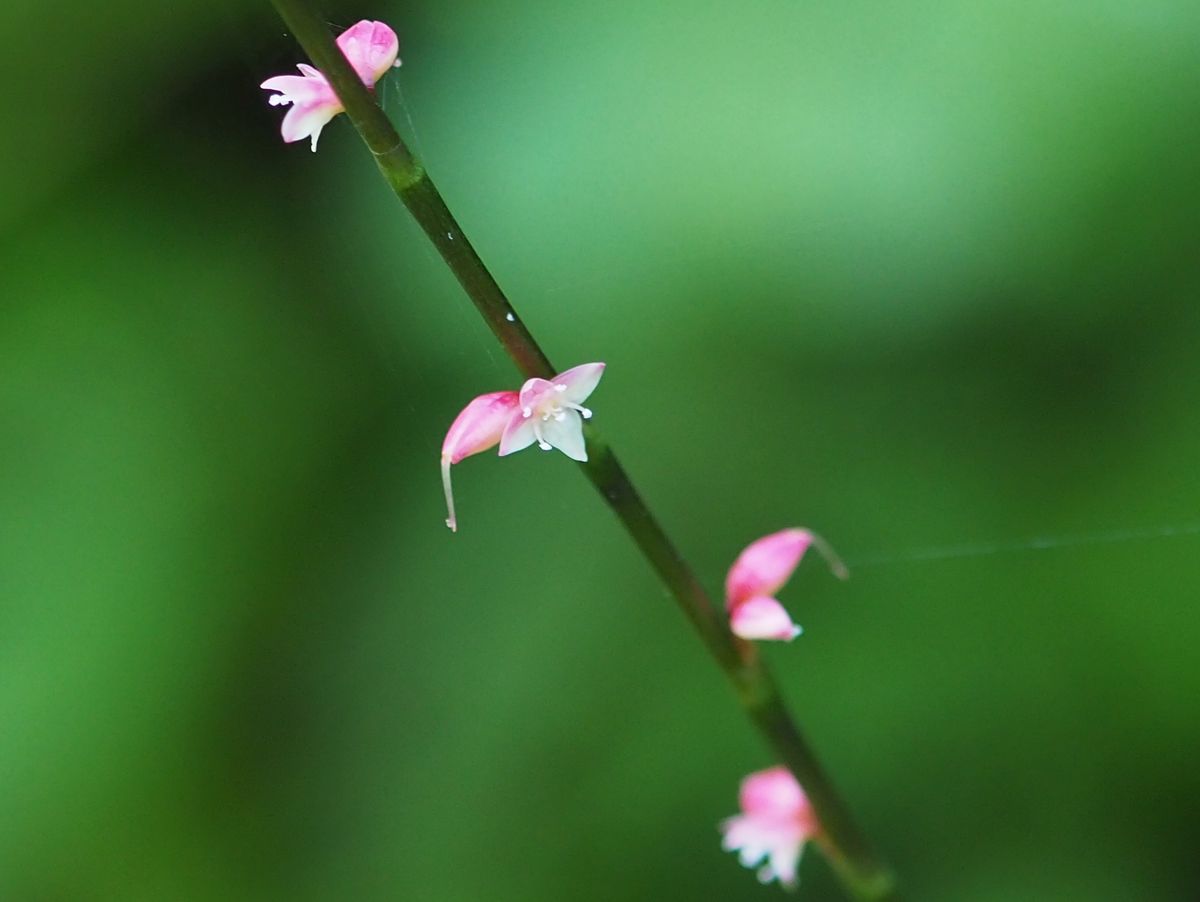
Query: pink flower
(547, 411)
(371, 49)
(775, 823)
(552, 413)
(759, 572)
(476, 429)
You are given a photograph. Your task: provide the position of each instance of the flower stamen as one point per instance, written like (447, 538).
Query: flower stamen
(583, 411)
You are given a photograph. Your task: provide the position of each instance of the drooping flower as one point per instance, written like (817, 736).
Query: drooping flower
(760, 571)
(477, 428)
(775, 823)
(371, 49)
(552, 413)
(547, 411)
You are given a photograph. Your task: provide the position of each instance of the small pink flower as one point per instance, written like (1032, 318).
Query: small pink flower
(552, 413)
(759, 572)
(547, 411)
(370, 48)
(477, 428)
(775, 823)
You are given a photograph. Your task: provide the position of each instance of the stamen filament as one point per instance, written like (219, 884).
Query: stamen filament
(450, 520)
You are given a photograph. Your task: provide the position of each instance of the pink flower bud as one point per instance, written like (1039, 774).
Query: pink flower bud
(775, 823)
(759, 572)
(369, 47)
(478, 428)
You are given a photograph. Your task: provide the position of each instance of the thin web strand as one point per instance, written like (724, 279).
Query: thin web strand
(1035, 543)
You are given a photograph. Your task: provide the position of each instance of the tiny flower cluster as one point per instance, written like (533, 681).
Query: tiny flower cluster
(371, 48)
(549, 412)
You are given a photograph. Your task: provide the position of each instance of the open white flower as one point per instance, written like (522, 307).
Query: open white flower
(551, 413)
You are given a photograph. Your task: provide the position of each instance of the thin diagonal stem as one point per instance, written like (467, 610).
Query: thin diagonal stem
(862, 874)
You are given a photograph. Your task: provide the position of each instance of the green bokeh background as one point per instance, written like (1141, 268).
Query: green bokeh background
(921, 276)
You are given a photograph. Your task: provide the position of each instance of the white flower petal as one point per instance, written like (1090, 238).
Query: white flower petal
(580, 381)
(565, 432)
(304, 121)
(518, 434)
(535, 390)
(785, 861)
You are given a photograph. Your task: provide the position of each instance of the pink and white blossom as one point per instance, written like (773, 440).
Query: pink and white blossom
(776, 821)
(547, 411)
(371, 48)
(477, 428)
(552, 413)
(759, 572)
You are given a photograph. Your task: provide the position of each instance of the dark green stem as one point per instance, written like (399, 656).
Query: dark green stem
(862, 874)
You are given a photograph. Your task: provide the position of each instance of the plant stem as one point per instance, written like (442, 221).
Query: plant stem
(862, 874)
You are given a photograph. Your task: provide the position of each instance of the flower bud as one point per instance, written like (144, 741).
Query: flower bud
(371, 48)
(759, 572)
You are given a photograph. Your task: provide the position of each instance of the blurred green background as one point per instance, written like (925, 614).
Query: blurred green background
(916, 275)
